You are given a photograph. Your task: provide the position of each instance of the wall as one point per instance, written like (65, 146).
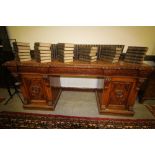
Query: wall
(128, 36)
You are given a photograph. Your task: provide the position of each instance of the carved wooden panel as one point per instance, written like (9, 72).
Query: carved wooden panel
(119, 93)
(35, 88)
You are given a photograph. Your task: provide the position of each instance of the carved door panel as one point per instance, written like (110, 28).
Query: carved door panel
(119, 92)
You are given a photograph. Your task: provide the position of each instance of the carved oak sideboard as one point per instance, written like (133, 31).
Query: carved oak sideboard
(41, 85)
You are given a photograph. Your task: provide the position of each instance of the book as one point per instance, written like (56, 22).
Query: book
(136, 52)
(40, 48)
(66, 60)
(25, 59)
(134, 55)
(21, 44)
(66, 48)
(65, 45)
(111, 51)
(65, 52)
(137, 48)
(44, 61)
(88, 48)
(93, 60)
(111, 57)
(24, 51)
(88, 51)
(21, 54)
(42, 44)
(87, 54)
(109, 60)
(17, 48)
(24, 56)
(110, 54)
(43, 52)
(87, 57)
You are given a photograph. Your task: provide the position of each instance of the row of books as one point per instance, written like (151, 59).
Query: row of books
(22, 51)
(88, 54)
(135, 54)
(43, 52)
(110, 54)
(65, 52)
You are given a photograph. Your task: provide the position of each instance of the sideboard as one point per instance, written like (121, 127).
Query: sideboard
(41, 87)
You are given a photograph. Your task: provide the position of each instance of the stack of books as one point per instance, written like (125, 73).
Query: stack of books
(65, 52)
(135, 54)
(88, 53)
(22, 50)
(43, 52)
(110, 54)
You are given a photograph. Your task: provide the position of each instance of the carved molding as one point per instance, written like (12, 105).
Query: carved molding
(139, 83)
(107, 81)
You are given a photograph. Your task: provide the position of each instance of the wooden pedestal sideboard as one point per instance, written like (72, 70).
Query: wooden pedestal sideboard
(41, 86)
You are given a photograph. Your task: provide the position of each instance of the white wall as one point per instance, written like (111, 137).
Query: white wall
(128, 36)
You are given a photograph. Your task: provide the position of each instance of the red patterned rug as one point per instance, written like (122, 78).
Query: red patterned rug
(18, 120)
(151, 109)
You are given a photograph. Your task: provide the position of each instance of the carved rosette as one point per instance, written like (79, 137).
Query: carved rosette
(36, 90)
(119, 93)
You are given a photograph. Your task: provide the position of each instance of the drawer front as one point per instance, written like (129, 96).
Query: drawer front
(120, 72)
(12, 69)
(32, 69)
(76, 71)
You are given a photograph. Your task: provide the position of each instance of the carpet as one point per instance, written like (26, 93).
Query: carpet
(2, 99)
(18, 120)
(151, 108)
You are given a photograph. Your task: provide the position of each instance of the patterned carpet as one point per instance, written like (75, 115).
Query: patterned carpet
(1, 99)
(151, 109)
(17, 120)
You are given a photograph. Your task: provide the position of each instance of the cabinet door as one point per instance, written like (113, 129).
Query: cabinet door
(35, 88)
(119, 93)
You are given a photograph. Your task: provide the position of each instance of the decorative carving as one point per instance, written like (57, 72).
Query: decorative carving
(107, 81)
(119, 93)
(36, 89)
